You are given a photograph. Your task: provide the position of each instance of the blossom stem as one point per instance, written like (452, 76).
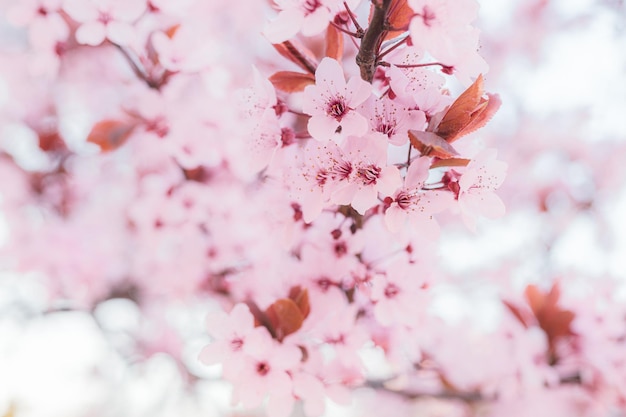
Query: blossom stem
(444, 67)
(137, 68)
(469, 397)
(393, 47)
(359, 29)
(353, 34)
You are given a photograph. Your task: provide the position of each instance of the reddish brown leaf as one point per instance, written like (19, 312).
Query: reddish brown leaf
(51, 141)
(451, 162)
(298, 54)
(290, 82)
(430, 144)
(285, 317)
(399, 17)
(110, 134)
(300, 296)
(469, 112)
(552, 319)
(484, 112)
(171, 31)
(459, 114)
(334, 43)
(523, 316)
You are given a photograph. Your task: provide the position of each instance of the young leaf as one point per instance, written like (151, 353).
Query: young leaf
(399, 17)
(300, 296)
(430, 144)
(334, 43)
(552, 319)
(285, 317)
(290, 81)
(110, 134)
(451, 162)
(469, 112)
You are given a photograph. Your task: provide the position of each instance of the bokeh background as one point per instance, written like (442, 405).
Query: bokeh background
(560, 69)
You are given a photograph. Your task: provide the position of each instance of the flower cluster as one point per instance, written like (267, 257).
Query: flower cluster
(298, 192)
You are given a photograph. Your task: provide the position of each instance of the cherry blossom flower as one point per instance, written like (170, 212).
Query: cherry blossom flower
(331, 102)
(391, 118)
(105, 19)
(399, 294)
(366, 160)
(230, 333)
(46, 26)
(265, 371)
(419, 86)
(186, 49)
(265, 133)
(315, 175)
(309, 16)
(484, 174)
(416, 205)
(442, 27)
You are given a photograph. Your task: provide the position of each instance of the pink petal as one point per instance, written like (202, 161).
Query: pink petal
(395, 218)
(364, 199)
(312, 206)
(389, 181)
(213, 353)
(322, 128)
(417, 173)
(436, 201)
(343, 195)
(330, 75)
(491, 205)
(240, 318)
(316, 22)
(120, 33)
(128, 10)
(359, 91)
(81, 10)
(280, 406)
(285, 26)
(354, 123)
(91, 33)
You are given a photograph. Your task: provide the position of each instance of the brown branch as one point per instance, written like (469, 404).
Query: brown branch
(372, 39)
(446, 394)
(137, 68)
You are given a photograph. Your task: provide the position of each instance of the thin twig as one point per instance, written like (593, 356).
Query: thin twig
(137, 68)
(358, 27)
(392, 47)
(353, 34)
(470, 397)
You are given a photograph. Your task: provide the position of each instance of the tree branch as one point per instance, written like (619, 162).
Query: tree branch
(470, 397)
(374, 34)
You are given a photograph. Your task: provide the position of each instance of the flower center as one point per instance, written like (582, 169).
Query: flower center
(391, 290)
(262, 368)
(321, 177)
(388, 129)
(404, 200)
(342, 170)
(324, 283)
(310, 6)
(369, 174)
(236, 344)
(337, 109)
(427, 16)
(104, 18)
